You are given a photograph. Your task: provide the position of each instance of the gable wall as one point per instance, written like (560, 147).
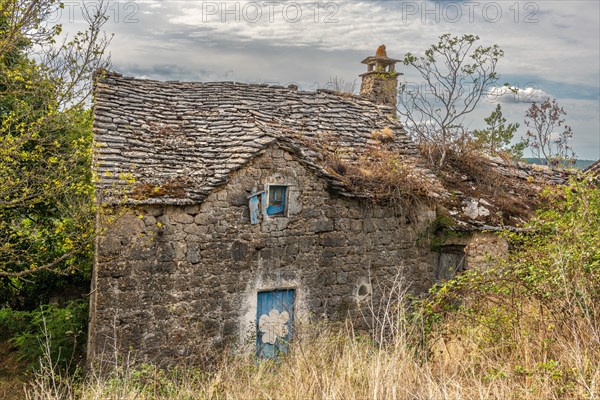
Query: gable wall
(170, 279)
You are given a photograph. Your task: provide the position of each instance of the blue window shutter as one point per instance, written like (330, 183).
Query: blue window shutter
(254, 212)
(274, 317)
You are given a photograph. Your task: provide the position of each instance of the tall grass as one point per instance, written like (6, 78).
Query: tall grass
(333, 361)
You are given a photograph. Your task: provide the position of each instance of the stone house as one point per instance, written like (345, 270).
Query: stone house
(227, 225)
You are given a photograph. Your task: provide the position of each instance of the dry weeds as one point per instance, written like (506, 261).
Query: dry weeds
(333, 361)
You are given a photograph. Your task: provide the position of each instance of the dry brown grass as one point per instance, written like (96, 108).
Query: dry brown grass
(334, 363)
(12, 373)
(329, 361)
(385, 135)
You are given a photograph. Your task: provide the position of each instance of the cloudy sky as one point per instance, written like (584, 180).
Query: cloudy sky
(551, 48)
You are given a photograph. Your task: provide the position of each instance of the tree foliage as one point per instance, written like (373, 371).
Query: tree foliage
(456, 73)
(496, 137)
(46, 209)
(548, 136)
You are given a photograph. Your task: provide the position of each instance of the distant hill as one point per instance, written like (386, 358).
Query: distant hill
(579, 164)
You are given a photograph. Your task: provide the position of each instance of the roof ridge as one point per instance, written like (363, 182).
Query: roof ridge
(102, 73)
(594, 168)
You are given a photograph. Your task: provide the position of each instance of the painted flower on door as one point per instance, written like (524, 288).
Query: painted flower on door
(273, 326)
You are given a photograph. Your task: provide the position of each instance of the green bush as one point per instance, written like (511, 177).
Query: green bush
(537, 311)
(59, 331)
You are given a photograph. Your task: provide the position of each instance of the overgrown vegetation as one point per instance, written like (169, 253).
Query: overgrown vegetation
(382, 175)
(64, 326)
(528, 328)
(46, 206)
(535, 317)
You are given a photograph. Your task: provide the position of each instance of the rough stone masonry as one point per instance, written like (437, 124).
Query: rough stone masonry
(173, 279)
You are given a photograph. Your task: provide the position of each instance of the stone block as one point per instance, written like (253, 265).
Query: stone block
(182, 218)
(239, 251)
(322, 225)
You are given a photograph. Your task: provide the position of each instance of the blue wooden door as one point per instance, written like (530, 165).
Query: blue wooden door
(274, 317)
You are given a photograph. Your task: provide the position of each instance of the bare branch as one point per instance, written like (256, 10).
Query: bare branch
(453, 88)
(30, 271)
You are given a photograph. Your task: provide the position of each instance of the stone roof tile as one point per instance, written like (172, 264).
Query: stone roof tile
(594, 169)
(192, 135)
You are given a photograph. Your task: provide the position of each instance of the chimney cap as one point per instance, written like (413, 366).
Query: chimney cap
(385, 61)
(381, 51)
(380, 58)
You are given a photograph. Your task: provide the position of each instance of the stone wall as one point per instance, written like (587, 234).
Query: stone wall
(171, 279)
(468, 251)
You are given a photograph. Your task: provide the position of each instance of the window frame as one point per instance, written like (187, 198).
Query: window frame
(274, 211)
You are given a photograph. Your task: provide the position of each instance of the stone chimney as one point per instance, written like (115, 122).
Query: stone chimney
(380, 82)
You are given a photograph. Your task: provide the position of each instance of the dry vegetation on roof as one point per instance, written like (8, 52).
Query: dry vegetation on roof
(175, 187)
(378, 172)
(468, 173)
(382, 175)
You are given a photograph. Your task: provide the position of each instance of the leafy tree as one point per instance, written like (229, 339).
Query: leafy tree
(46, 208)
(456, 75)
(497, 136)
(548, 136)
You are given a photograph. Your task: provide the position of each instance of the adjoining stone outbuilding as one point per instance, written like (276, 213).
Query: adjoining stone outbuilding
(228, 225)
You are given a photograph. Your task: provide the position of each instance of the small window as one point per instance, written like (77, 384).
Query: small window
(277, 200)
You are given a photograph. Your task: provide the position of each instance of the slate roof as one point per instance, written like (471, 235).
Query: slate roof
(476, 207)
(594, 168)
(179, 140)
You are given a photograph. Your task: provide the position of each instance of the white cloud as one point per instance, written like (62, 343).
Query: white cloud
(546, 38)
(512, 94)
